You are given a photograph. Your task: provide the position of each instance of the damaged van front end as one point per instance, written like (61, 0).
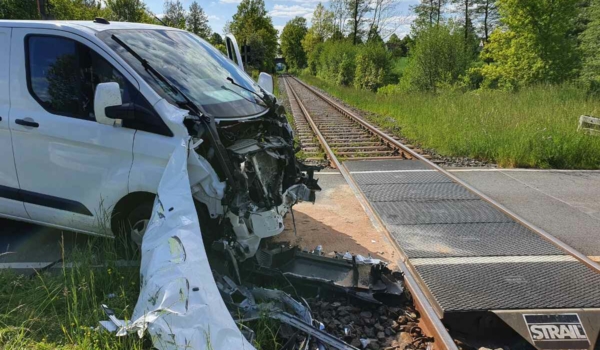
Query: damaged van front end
(264, 179)
(244, 173)
(228, 184)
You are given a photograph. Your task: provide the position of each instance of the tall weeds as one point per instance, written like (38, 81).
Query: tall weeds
(535, 127)
(60, 308)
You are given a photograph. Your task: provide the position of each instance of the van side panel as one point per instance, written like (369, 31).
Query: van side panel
(10, 203)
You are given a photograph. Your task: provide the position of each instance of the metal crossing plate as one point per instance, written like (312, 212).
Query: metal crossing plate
(416, 192)
(399, 177)
(473, 239)
(469, 254)
(438, 212)
(385, 165)
(471, 285)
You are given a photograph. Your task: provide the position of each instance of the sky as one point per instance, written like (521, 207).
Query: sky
(281, 11)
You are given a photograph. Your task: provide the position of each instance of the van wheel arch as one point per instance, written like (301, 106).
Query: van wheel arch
(126, 205)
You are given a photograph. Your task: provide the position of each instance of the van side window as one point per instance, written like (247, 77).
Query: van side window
(63, 74)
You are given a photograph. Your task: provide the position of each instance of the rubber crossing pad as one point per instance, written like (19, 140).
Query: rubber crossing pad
(386, 165)
(438, 212)
(516, 285)
(469, 254)
(399, 178)
(473, 239)
(416, 192)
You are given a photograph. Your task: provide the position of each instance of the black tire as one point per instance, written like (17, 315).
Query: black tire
(136, 222)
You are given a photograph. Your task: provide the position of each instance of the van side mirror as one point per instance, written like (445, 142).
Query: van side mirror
(265, 81)
(107, 95)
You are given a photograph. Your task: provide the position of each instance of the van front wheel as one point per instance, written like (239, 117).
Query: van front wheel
(137, 222)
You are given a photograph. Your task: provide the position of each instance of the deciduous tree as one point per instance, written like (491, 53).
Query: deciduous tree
(18, 9)
(251, 21)
(534, 45)
(216, 39)
(590, 47)
(323, 22)
(394, 46)
(437, 57)
(465, 9)
(127, 10)
(75, 9)
(291, 42)
(339, 8)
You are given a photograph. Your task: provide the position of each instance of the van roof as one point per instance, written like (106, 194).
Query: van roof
(77, 25)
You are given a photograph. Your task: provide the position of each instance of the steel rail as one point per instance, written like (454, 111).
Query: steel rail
(332, 159)
(430, 316)
(354, 133)
(557, 242)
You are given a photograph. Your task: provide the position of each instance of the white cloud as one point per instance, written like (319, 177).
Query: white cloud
(286, 11)
(279, 29)
(230, 1)
(214, 18)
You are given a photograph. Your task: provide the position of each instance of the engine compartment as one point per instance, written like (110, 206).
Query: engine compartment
(255, 159)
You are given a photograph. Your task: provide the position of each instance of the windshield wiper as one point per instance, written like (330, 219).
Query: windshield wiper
(262, 98)
(244, 97)
(187, 104)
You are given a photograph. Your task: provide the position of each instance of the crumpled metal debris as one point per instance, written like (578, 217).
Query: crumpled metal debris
(367, 279)
(253, 303)
(178, 305)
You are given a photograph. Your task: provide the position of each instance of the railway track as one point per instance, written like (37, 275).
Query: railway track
(414, 201)
(327, 133)
(341, 136)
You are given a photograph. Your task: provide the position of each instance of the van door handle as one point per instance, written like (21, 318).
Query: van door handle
(24, 122)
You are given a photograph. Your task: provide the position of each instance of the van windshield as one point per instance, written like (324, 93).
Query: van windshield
(191, 64)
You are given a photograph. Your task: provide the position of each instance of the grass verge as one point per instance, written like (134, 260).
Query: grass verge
(60, 308)
(533, 128)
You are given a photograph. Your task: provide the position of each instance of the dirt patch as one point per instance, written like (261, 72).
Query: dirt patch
(337, 222)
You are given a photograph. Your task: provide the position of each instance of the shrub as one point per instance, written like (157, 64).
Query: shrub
(313, 58)
(473, 78)
(372, 63)
(336, 62)
(438, 57)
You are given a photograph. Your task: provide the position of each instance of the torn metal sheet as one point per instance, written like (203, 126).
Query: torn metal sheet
(367, 279)
(179, 303)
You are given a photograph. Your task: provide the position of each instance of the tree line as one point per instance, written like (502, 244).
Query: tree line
(251, 25)
(468, 44)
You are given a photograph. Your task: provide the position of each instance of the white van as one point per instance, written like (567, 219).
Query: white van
(91, 112)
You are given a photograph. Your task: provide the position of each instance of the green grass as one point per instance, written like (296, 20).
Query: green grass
(398, 65)
(533, 128)
(276, 86)
(60, 308)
